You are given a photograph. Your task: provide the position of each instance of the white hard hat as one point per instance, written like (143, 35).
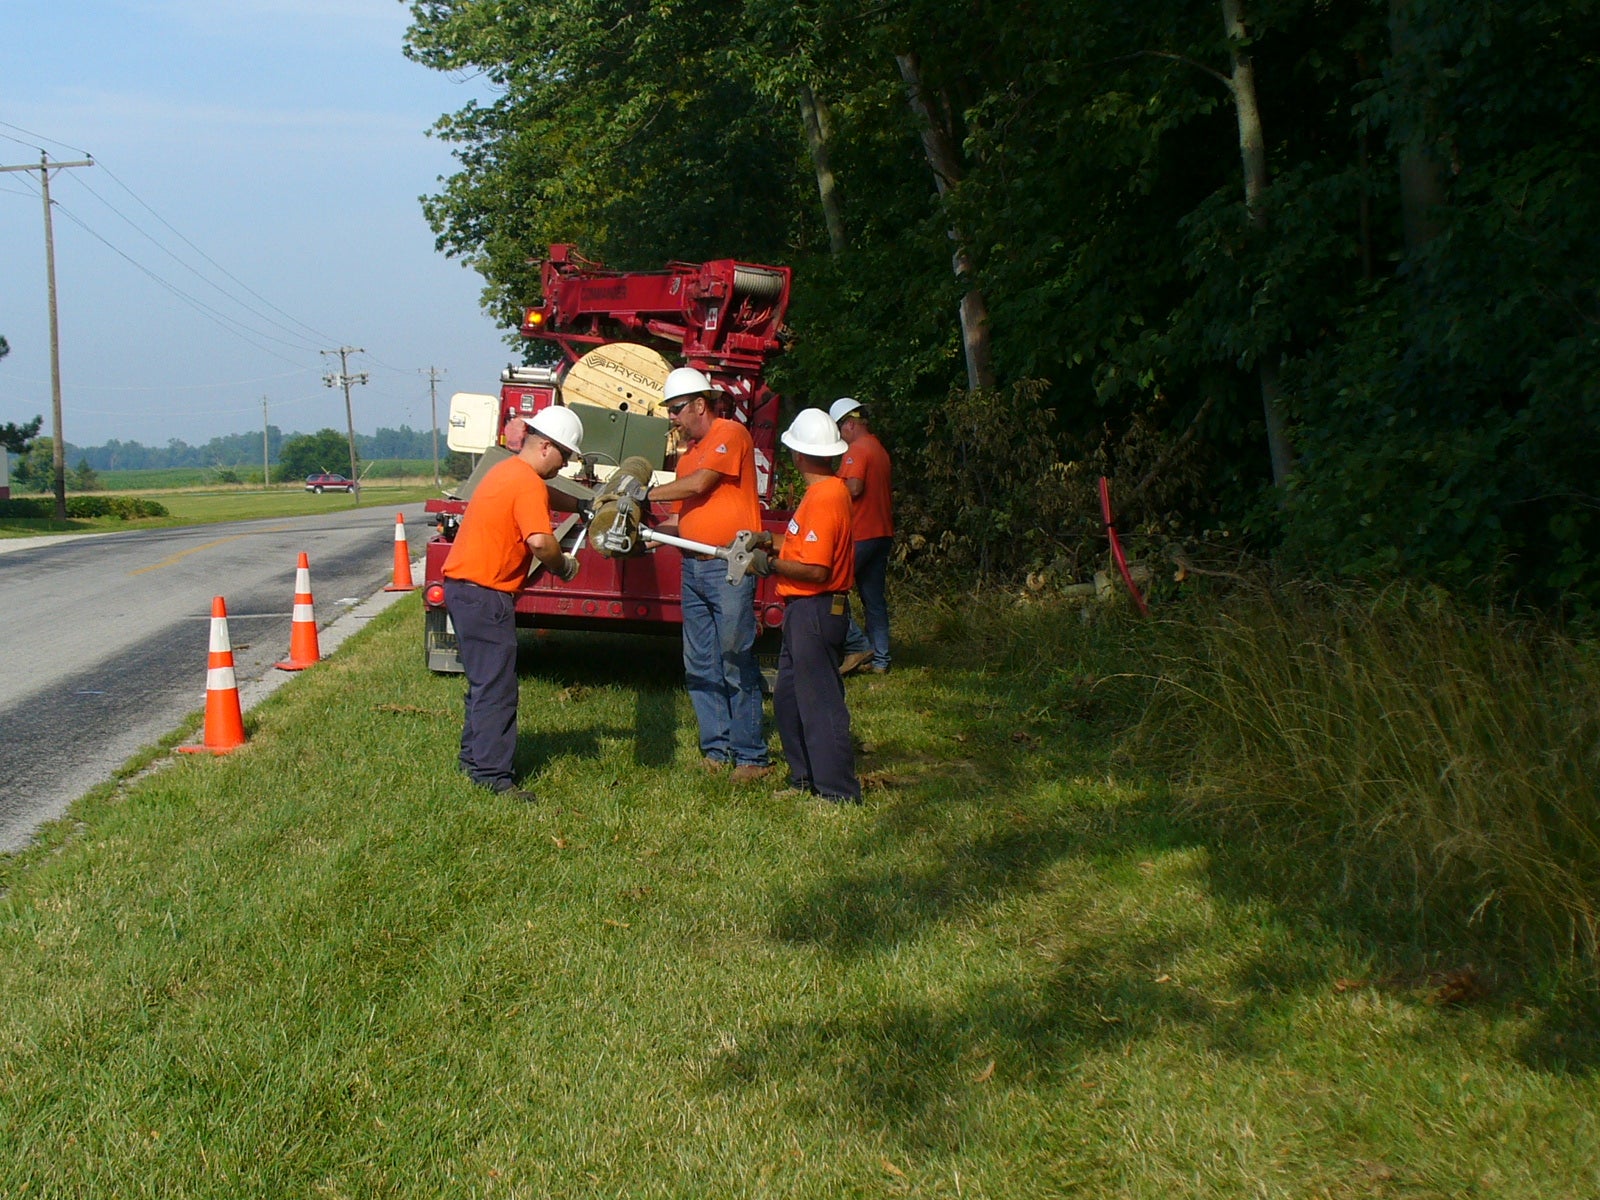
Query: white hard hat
(685, 381)
(813, 432)
(560, 425)
(842, 408)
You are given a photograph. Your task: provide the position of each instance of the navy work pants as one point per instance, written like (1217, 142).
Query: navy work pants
(486, 637)
(808, 700)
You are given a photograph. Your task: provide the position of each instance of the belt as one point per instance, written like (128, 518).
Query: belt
(839, 602)
(698, 557)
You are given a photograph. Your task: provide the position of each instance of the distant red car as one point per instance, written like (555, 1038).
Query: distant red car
(328, 482)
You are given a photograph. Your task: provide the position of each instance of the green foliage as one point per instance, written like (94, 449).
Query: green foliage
(83, 478)
(1438, 764)
(123, 508)
(15, 438)
(325, 450)
(34, 470)
(1419, 273)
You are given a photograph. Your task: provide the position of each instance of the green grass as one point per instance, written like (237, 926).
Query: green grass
(327, 966)
(205, 506)
(1443, 765)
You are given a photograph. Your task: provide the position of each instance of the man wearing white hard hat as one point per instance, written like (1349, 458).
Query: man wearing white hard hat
(865, 470)
(816, 569)
(717, 497)
(505, 530)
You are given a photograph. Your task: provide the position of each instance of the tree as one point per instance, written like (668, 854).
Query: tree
(34, 470)
(84, 478)
(16, 438)
(307, 454)
(1406, 281)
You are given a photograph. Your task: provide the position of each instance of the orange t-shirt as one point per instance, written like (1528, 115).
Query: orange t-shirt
(510, 504)
(819, 534)
(868, 461)
(716, 517)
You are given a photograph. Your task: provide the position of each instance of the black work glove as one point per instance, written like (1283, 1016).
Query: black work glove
(760, 563)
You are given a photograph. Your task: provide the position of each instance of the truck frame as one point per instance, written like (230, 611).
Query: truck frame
(724, 318)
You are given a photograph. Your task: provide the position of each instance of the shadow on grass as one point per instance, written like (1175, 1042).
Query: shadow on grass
(1444, 964)
(928, 1071)
(650, 668)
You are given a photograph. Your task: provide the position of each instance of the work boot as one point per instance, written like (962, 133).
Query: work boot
(794, 788)
(854, 661)
(511, 791)
(714, 765)
(750, 772)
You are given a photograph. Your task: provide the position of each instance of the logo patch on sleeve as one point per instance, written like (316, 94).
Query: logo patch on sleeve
(722, 449)
(794, 526)
(812, 536)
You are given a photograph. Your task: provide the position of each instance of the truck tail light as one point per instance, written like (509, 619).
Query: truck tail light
(772, 616)
(435, 595)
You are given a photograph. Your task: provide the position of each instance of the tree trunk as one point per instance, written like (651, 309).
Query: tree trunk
(939, 145)
(817, 139)
(1253, 152)
(1422, 189)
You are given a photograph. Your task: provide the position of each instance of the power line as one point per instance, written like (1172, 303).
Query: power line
(219, 289)
(41, 137)
(222, 319)
(316, 334)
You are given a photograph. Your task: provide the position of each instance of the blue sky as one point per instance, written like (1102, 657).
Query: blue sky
(283, 140)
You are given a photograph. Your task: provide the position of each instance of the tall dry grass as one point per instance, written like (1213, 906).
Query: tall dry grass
(1446, 763)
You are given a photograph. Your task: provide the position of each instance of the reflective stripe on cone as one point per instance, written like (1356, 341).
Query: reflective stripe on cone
(224, 730)
(303, 648)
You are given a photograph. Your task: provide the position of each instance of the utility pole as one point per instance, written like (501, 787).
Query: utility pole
(434, 373)
(58, 458)
(266, 470)
(344, 379)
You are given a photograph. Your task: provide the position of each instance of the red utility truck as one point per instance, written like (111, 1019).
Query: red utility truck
(611, 330)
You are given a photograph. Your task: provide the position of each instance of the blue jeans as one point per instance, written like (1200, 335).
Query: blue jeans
(872, 570)
(719, 662)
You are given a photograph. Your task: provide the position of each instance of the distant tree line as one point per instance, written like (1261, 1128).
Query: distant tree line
(244, 450)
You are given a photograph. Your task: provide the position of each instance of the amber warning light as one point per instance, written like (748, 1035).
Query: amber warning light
(532, 316)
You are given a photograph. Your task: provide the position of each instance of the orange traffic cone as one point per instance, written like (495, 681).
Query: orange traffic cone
(224, 719)
(303, 649)
(402, 558)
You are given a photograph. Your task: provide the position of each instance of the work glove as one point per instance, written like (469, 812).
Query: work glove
(565, 568)
(763, 539)
(760, 563)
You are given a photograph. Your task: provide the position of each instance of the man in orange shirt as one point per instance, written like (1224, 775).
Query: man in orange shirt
(716, 491)
(816, 569)
(866, 472)
(505, 530)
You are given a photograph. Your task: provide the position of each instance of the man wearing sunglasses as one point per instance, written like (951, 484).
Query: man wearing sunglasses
(716, 492)
(504, 532)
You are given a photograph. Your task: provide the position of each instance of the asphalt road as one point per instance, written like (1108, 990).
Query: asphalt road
(105, 640)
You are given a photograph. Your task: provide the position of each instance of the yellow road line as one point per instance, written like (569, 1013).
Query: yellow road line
(182, 554)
